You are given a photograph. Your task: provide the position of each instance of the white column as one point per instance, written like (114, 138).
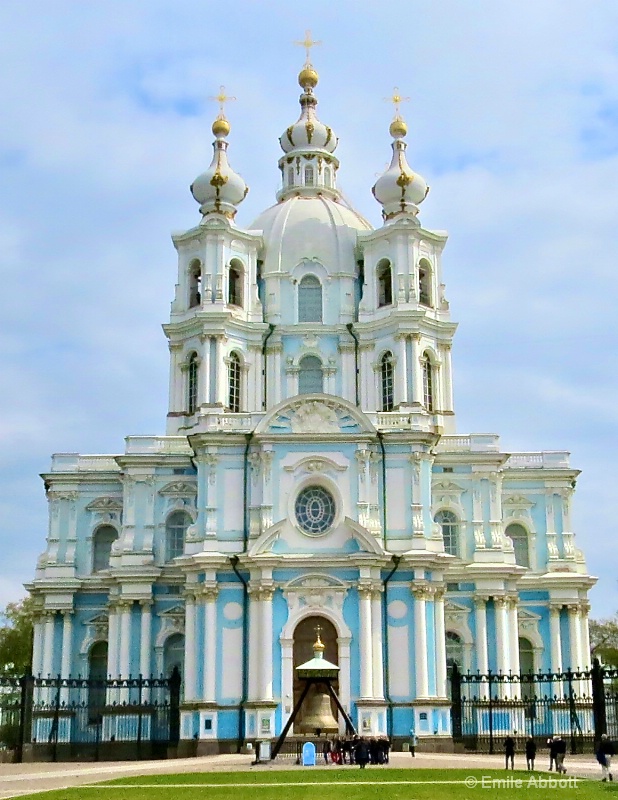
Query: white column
(514, 635)
(441, 687)
(420, 641)
(447, 376)
(480, 618)
(190, 646)
(344, 674)
(575, 654)
(254, 644)
(287, 680)
(67, 643)
(210, 639)
(124, 663)
(502, 634)
(401, 383)
(266, 636)
(37, 646)
(203, 378)
(277, 393)
(145, 641)
(221, 372)
(555, 638)
(112, 641)
(48, 643)
(417, 378)
(366, 657)
(585, 634)
(376, 635)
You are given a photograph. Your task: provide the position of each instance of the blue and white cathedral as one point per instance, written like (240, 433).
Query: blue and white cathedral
(311, 474)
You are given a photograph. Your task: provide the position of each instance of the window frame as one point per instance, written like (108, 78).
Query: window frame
(387, 381)
(304, 370)
(309, 287)
(96, 534)
(385, 284)
(175, 545)
(192, 382)
(234, 383)
(450, 530)
(523, 538)
(429, 388)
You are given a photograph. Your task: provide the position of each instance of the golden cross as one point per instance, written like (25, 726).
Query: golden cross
(222, 98)
(308, 43)
(396, 99)
(318, 630)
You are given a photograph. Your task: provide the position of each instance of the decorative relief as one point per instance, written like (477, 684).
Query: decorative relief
(315, 417)
(315, 591)
(179, 489)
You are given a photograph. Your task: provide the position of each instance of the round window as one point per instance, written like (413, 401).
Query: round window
(315, 510)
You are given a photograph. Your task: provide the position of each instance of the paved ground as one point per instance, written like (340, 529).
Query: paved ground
(19, 779)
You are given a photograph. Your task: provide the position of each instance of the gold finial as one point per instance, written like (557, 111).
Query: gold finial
(318, 642)
(396, 99)
(398, 127)
(221, 127)
(308, 43)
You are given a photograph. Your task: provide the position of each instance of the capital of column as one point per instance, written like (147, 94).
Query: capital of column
(512, 601)
(266, 593)
(572, 608)
(67, 612)
(480, 600)
(209, 593)
(584, 607)
(365, 589)
(555, 609)
(421, 591)
(500, 601)
(190, 595)
(146, 603)
(439, 592)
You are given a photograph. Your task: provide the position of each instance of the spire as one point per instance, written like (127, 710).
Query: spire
(308, 167)
(219, 190)
(399, 189)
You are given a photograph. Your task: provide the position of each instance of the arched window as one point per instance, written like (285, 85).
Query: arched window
(310, 379)
(526, 666)
(310, 299)
(519, 536)
(309, 176)
(97, 675)
(235, 278)
(449, 524)
(428, 381)
(234, 374)
(102, 542)
(328, 177)
(175, 531)
(454, 650)
(385, 283)
(195, 284)
(386, 377)
(192, 384)
(173, 654)
(424, 282)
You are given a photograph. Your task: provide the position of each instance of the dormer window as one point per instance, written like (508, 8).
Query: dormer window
(235, 278)
(385, 283)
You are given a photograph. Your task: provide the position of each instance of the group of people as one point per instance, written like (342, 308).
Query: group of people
(356, 750)
(557, 752)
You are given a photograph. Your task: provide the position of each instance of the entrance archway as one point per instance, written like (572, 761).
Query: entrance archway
(304, 638)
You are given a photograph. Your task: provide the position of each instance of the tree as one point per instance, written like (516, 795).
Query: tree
(604, 639)
(16, 632)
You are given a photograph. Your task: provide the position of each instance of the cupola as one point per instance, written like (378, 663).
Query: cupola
(219, 190)
(399, 189)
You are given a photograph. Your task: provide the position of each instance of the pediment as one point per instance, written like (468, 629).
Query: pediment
(173, 612)
(455, 609)
(271, 541)
(316, 581)
(98, 620)
(315, 414)
(523, 616)
(105, 504)
(447, 487)
(517, 501)
(179, 489)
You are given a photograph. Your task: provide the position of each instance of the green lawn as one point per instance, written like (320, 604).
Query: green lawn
(337, 784)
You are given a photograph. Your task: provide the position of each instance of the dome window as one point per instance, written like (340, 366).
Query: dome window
(385, 284)
(235, 281)
(387, 381)
(192, 384)
(328, 178)
(291, 176)
(310, 377)
(235, 377)
(309, 176)
(310, 299)
(195, 284)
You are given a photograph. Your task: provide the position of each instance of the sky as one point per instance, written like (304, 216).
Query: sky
(105, 117)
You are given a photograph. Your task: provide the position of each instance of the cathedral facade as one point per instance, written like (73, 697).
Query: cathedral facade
(310, 474)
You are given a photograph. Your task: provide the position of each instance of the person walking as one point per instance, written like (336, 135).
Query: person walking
(552, 753)
(530, 752)
(509, 752)
(560, 752)
(361, 754)
(326, 749)
(605, 752)
(413, 742)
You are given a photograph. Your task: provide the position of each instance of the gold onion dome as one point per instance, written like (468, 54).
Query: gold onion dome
(221, 127)
(319, 646)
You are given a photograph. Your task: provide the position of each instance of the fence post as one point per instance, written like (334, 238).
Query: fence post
(26, 684)
(597, 675)
(174, 683)
(140, 685)
(491, 712)
(53, 731)
(456, 710)
(572, 711)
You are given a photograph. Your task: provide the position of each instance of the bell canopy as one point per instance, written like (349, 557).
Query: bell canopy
(399, 190)
(219, 190)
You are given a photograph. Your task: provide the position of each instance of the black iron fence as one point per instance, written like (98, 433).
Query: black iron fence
(64, 719)
(577, 705)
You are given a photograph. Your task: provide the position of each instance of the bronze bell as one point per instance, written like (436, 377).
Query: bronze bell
(319, 715)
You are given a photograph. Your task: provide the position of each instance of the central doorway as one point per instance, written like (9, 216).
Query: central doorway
(305, 635)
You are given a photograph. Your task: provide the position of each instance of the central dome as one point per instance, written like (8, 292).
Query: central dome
(309, 228)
